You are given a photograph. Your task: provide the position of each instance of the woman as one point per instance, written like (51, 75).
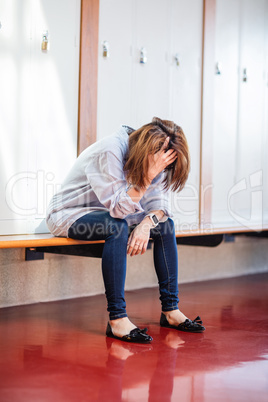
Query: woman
(117, 191)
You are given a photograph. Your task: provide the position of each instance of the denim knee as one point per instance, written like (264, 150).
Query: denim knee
(118, 228)
(170, 224)
(166, 228)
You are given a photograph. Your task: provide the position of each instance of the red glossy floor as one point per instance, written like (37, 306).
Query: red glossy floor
(58, 352)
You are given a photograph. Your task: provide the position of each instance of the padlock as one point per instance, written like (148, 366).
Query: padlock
(44, 45)
(105, 49)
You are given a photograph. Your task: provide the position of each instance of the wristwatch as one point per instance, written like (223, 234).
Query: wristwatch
(154, 219)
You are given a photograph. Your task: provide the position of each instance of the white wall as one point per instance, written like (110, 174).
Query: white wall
(38, 107)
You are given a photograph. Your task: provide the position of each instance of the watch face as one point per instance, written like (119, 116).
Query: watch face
(154, 218)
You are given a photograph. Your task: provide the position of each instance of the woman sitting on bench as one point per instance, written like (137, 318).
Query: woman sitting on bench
(117, 191)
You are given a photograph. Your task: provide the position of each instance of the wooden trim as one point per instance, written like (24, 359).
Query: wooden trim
(88, 74)
(48, 240)
(206, 140)
(40, 240)
(222, 230)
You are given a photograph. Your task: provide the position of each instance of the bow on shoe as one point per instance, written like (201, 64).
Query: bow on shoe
(186, 326)
(192, 326)
(198, 320)
(138, 335)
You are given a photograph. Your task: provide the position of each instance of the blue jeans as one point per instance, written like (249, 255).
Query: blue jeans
(100, 225)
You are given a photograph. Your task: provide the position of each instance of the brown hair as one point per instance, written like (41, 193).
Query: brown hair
(148, 140)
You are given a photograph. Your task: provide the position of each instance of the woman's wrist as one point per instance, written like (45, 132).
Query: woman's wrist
(150, 177)
(149, 218)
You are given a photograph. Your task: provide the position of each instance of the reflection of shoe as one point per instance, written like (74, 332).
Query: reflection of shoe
(186, 326)
(137, 335)
(115, 347)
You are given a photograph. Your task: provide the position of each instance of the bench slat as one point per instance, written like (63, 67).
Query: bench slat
(40, 240)
(47, 239)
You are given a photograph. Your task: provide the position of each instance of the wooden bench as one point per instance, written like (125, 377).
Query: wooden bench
(38, 244)
(39, 240)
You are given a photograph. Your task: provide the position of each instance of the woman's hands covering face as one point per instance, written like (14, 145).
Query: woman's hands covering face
(160, 160)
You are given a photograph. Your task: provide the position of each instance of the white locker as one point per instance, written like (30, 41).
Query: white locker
(151, 78)
(115, 67)
(240, 136)
(39, 107)
(265, 143)
(225, 112)
(185, 100)
(131, 92)
(14, 113)
(248, 203)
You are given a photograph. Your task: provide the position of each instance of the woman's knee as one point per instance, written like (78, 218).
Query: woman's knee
(98, 226)
(169, 224)
(118, 228)
(166, 228)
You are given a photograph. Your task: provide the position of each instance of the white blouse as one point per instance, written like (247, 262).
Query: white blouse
(97, 182)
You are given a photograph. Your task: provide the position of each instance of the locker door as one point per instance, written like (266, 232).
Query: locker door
(54, 108)
(265, 145)
(39, 106)
(15, 87)
(150, 81)
(247, 203)
(185, 99)
(225, 108)
(115, 69)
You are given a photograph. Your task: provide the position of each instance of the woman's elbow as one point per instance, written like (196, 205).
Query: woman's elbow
(118, 213)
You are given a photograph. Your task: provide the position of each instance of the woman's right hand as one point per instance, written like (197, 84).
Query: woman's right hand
(160, 160)
(139, 238)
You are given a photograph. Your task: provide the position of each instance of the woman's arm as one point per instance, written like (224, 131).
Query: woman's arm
(136, 194)
(106, 178)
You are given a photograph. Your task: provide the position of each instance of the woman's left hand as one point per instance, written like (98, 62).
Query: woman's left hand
(138, 239)
(160, 160)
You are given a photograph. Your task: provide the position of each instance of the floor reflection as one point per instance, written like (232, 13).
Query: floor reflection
(58, 351)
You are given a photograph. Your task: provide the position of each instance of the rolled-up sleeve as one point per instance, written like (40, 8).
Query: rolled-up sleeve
(156, 198)
(106, 176)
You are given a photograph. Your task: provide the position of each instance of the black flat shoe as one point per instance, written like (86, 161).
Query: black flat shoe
(186, 326)
(137, 335)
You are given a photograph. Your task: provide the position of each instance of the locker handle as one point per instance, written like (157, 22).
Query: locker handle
(218, 68)
(177, 59)
(143, 56)
(245, 75)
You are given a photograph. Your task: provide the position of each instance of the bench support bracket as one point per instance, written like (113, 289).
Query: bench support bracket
(95, 250)
(87, 250)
